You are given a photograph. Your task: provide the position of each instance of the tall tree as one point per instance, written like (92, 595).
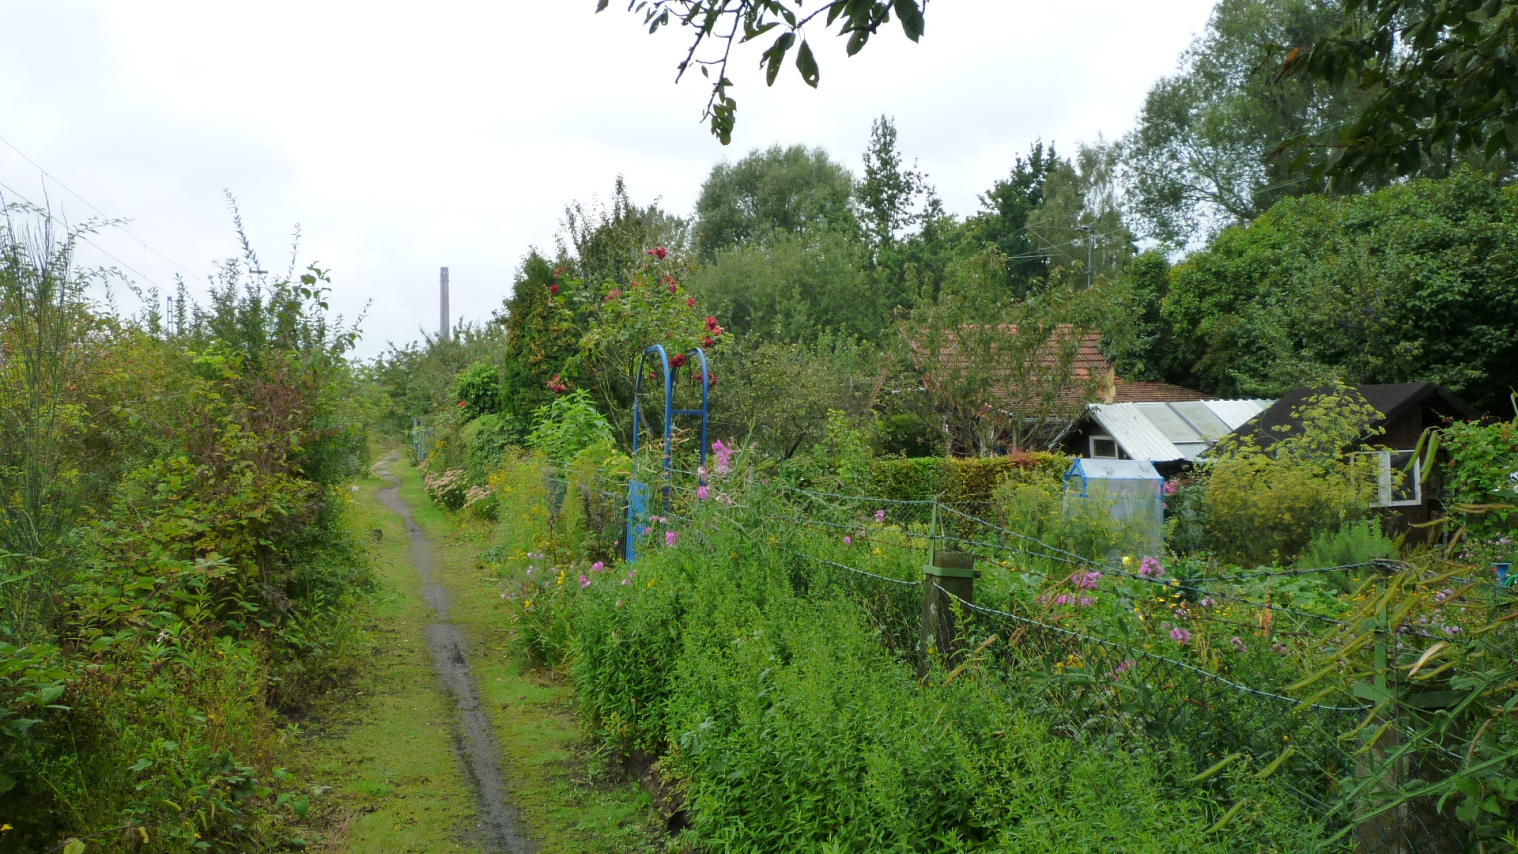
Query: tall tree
(888, 193)
(1003, 219)
(769, 193)
(1440, 85)
(1078, 226)
(1416, 282)
(1210, 147)
(793, 287)
(606, 243)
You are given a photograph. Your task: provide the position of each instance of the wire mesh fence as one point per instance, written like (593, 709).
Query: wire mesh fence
(1356, 760)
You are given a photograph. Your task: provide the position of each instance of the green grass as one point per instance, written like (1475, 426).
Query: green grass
(567, 804)
(383, 742)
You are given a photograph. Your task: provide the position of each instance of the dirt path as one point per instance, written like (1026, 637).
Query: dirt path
(476, 744)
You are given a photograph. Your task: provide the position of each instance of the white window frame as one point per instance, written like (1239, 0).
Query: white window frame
(1117, 450)
(1384, 479)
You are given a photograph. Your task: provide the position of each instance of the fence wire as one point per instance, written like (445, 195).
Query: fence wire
(1347, 762)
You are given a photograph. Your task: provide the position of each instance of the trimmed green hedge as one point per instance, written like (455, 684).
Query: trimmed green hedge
(955, 480)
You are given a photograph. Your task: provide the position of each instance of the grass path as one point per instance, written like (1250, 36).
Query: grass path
(386, 743)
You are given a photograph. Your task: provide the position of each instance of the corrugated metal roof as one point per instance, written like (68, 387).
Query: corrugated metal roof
(1236, 412)
(1138, 436)
(1163, 432)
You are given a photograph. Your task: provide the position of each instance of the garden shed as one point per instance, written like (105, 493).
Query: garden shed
(1131, 491)
(1406, 410)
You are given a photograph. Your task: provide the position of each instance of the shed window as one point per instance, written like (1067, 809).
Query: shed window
(1105, 448)
(1397, 483)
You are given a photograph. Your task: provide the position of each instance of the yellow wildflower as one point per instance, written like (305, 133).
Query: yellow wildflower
(1127, 560)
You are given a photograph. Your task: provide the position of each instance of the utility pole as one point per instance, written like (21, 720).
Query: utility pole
(1086, 229)
(442, 322)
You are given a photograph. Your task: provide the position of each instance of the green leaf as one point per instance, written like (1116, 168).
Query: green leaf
(7, 782)
(911, 18)
(73, 846)
(807, 65)
(775, 55)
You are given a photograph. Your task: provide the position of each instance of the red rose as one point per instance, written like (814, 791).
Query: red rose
(553, 289)
(660, 252)
(707, 342)
(557, 272)
(711, 323)
(672, 287)
(556, 385)
(461, 404)
(690, 302)
(677, 360)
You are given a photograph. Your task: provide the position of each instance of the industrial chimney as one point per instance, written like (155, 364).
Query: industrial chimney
(442, 321)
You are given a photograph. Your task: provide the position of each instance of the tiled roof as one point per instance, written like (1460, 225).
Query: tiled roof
(1088, 368)
(1124, 391)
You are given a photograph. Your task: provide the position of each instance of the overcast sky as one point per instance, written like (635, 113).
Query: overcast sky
(405, 137)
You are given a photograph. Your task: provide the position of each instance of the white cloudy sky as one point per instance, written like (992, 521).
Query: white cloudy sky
(403, 137)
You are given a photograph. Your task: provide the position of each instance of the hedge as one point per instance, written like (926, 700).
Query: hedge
(954, 480)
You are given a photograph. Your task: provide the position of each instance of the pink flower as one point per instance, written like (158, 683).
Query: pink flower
(880, 515)
(848, 540)
(701, 492)
(647, 530)
(1170, 487)
(1087, 601)
(670, 537)
(584, 582)
(1180, 635)
(1237, 643)
(1207, 602)
(1150, 568)
(1062, 599)
(690, 302)
(1085, 580)
(597, 566)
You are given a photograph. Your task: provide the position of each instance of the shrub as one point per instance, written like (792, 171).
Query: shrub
(486, 440)
(1355, 542)
(567, 426)
(957, 480)
(1266, 503)
(478, 390)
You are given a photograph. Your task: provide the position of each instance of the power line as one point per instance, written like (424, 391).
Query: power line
(91, 206)
(86, 239)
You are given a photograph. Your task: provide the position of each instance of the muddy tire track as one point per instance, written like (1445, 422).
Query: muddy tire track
(475, 741)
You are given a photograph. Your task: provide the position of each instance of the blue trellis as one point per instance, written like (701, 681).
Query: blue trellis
(637, 492)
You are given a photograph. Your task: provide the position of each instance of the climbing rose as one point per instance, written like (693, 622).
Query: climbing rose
(690, 302)
(677, 360)
(707, 341)
(658, 252)
(553, 289)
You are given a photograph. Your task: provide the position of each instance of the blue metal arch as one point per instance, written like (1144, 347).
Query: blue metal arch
(637, 492)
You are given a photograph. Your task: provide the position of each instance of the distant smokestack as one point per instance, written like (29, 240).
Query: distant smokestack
(442, 310)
